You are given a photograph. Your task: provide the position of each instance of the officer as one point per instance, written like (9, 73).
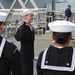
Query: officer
(58, 59)
(9, 54)
(25, 34)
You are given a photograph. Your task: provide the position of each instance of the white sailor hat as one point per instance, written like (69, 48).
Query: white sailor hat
(3, 16)
(26, 12)
(61, 26)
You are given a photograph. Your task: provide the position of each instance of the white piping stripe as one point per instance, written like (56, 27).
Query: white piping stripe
(43, 66)
(15, 50)
(2, 46)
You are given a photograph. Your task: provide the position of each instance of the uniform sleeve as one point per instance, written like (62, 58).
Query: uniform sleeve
(38, 66)
(20, 33)
(15, 63)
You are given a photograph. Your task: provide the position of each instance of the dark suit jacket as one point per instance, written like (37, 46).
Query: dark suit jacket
(26, 38)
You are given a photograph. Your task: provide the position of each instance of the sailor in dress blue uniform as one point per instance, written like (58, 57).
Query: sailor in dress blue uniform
(58, 59)
(9, 54)
(26, 35)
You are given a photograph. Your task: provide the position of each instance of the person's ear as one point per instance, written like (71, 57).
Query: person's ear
(53, 37)
(71, 37)
(2, 26)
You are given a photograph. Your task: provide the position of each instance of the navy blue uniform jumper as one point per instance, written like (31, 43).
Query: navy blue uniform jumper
(26, 37)
(56, 61)
(10, 59)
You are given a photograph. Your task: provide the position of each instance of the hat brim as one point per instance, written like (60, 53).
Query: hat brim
(61, 26)
(26, 12)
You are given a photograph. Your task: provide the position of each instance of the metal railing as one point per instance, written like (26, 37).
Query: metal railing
(41, 18)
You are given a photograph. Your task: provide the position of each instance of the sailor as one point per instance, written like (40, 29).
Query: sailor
(9, 54)
(58, 59)
(25, 34)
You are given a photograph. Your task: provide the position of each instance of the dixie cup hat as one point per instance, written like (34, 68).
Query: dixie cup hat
(3, 16)
(61, 26)
(26, 12)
